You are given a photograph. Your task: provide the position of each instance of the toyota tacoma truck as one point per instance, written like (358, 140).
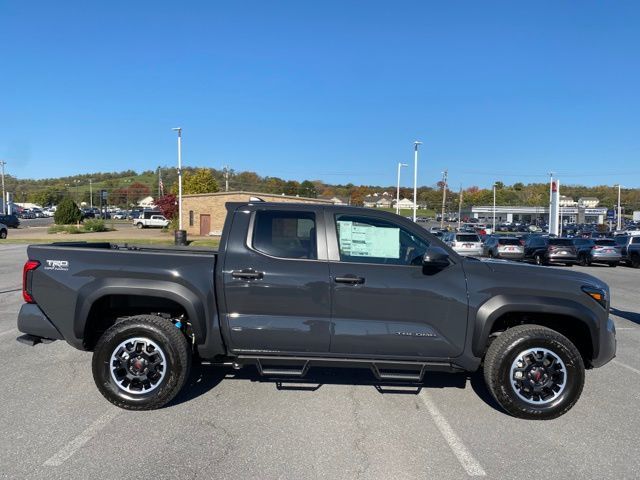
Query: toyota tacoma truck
(296, 286)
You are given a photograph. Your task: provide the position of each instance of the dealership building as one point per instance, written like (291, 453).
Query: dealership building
(569, 214)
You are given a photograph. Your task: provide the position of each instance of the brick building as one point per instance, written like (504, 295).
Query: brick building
(204, 213)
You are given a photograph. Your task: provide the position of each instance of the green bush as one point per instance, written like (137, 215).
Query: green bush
(67, 212)
(94, 225)
(64, 229)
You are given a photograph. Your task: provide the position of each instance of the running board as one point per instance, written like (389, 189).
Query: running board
(282, 370)
(383, 370)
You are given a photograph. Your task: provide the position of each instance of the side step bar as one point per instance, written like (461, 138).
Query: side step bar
(389, 370)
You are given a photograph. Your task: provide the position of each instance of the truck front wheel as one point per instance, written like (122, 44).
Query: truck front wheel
(141, 363)
(534, 372)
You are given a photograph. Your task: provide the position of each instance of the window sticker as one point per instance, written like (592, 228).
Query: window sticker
(362, 240)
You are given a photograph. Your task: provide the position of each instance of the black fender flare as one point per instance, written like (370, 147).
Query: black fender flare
(497, 306)
(188, 300)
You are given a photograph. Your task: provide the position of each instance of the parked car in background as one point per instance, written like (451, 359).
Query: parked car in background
(633, 255)
(11, 221)
(155, 221)
(4, 231)
(503, 247)
(601, 250)
(545, 250)
(464, 243)
(624, 242)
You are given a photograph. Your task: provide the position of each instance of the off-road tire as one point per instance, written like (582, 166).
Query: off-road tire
(171, 341)
(503, 351)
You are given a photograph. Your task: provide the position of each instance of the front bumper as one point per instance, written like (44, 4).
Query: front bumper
(607, 346)
(32, 321)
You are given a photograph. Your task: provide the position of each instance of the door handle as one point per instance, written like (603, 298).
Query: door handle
(349, 279)
(247, 274)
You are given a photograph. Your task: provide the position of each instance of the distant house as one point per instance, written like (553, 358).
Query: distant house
(336, 200)
(588, 202)
(405, 203)
(378, 200)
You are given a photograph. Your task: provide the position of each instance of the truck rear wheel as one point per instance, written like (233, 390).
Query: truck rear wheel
(141, 363)
(534, 372)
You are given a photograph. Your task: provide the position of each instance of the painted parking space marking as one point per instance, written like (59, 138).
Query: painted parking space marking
(78, 442)
(459, 449)
(617, 362)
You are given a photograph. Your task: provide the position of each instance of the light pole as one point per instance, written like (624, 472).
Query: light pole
(460, 207)
(444, 196)
(179, 130)
(91, 193)
(4, 194)
(415, 178)
(550, 186)
(493, 231)
(619, 210)
(77, 182)
(400, 165)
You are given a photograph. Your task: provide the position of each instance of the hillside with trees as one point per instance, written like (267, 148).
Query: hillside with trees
(128, 187)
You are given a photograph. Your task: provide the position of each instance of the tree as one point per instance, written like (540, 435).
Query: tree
(67, 212)
(307, 189)
(200, 180)
(168, 205)
(47, 197)
(291, 187)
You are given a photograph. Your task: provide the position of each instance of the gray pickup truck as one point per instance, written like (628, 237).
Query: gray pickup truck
(295, 286)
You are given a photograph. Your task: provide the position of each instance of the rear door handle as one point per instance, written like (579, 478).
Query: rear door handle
(349, 279)
(247, 274)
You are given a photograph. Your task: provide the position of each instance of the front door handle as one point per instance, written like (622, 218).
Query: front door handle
(247, 274)
(349, 279)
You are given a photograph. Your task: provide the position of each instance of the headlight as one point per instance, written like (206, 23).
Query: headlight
(598, 294)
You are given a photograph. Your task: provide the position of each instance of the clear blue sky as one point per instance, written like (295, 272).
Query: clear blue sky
(330, 90)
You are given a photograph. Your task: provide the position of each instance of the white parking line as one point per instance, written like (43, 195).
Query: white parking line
(625, 366)
(462, 453)
(7, 332)
(74, 445)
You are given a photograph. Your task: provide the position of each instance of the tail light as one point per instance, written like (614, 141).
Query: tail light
(27, 270)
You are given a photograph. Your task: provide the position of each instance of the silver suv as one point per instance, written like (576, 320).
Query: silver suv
(503, 247)
(464, 243)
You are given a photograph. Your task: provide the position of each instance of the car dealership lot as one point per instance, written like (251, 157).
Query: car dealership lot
(335, 424)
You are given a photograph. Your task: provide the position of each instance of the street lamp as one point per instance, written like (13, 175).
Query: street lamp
(619, 210)
(77, 182)
(91, 193)
(494, 209)
(179, 130)
(400, 165)
(4, 194)
(415, 178)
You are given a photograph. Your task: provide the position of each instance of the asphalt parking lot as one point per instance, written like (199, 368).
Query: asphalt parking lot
(338, 424)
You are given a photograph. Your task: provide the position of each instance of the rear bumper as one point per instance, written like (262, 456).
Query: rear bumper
(32, 321)
(470, 252)
(562, 259)
(607, 347)
(606, 258)
(511, 256)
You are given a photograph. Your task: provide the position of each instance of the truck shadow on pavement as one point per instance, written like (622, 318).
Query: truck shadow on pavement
(631, 316)
(204, 378)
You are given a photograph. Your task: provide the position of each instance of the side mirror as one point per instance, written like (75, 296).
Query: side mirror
(435, 257)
